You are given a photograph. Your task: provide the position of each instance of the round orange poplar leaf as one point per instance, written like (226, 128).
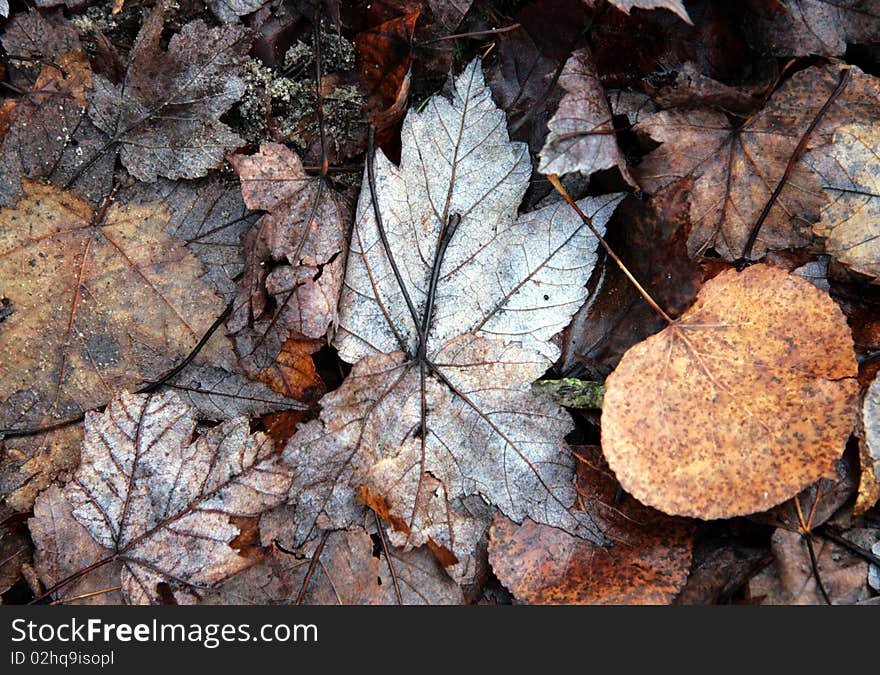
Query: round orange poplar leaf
(738, 405)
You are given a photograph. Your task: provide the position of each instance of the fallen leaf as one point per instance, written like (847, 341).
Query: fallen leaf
(163, 505)
(294, 256)
(739, 404)
(647, 562)
(229, 11)
(582, 136)
(448, 14)
(850, 175)
(651, 239)
(63, 548)
(414, 430)
(348, 570)
(791, 581)
(164, 116)
(15, 551)
(674, 6)
(209, 216)
(821, 27)
(293, 372)
(718, 571)
(35, 36)
(97, 302)
(52, 138)
(736, 169)
(869, 487)
(29, 464)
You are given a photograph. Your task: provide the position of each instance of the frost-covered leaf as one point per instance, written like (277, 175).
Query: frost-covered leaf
(581, 136)
(164, 116)
(230, 10)
(166, 506)
(94, 302)
(295, 258)
(674, 6)
(414, 428)
(746, 399)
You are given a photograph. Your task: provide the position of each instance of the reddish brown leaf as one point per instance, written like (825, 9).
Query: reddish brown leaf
(646, 563)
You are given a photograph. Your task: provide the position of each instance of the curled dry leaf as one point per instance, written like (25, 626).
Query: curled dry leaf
(97, 302)
(850, 175)
(294, 256)
(415, 428)
(739, 404)
(821, 27)
(349, 569)
(164, 506)
(736, 169)
(164, 116)
(647, 562)
(582, 136)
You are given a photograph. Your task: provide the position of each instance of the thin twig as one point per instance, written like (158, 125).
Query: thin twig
(756, 228)
(474, 34)
(388, 559)
(316, 556)
(554, 180)
(827, 532)
(806, 534)
(319, 95)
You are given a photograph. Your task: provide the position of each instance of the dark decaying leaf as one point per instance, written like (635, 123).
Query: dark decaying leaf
(294, 256)
(99, 301)
(158, 502)
(822, 27)
(646, 562)
(52, 137)
(15, 550)
(36, 37)
(164, 116)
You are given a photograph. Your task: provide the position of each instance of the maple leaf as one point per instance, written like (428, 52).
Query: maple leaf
(739, 404)
(97, 302)
(821, 27)
(581, 136)
(164, 116)
(438, 406)
(305, 227)
(165, 506)
(648, 563)
(850, 175)
(345, 570)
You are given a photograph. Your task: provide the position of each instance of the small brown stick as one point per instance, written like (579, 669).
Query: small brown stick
(475, 34)
(806, 533)
(319, 95)
(388, 559)
(753, 235)
(554, 180)
(312, 565)
(83, 596)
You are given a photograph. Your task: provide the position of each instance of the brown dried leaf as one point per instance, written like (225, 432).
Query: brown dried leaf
(162, 504)
(52, 137)
(738, 405)
(850, 174)
(164, 116)
(736, 169)
(294, 256)
(348, 571)
(63, 548)
(647, 562)
(791, 581)
(293, 372)
(210, 217)
(582, 136)
(35, 36)
(15, 551)
(822, 27)
(869, 489)
(29, 464)
(97, 302)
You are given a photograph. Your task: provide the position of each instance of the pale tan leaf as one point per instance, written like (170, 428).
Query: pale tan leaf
(741, 403)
